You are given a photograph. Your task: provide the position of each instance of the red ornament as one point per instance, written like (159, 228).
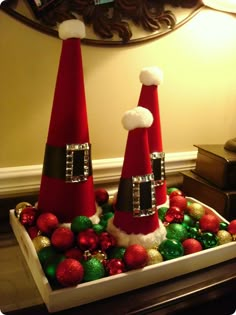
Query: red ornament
(178, 201)
(74, 253)
(135, 256)
(209, 223)
(174, 214)
(176, 192)
(87, 240)
(115, 266)
(191, 245)
(33, 231)
(28, 216)
(232, 227)
(101, 196)
(106, 241)
(47, 222)
(69, 272)
(62, 238)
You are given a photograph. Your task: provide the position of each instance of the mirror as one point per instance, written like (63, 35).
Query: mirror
(108, 22)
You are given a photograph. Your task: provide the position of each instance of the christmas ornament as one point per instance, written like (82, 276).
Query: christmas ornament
(81, 223)
(191, 245)
(74, 253)
(115, 266)
(87, 240)
(154, 256)
(178, 201)
(69, 272)
(50, 266)
(171, 189)
(47, 223)
(20, 206)
(209, 223)
(188, 221)
(106, 241)
(232, 227)
(177, 232)
(62, 238)
(162, 212)
(176, 192)
(104, 219)
(107, 207)
(28, 216)
(223, 226)
(171, 249)
(33, 231)
(93, 269)
(98, 228)
(196, 210)
(193, 232)
(224, 237)
(40, 242)
(46, 253)
(135, 256)
(174, 214)
(100, 255)
(101, 196)
(209, 240)
(116, 252)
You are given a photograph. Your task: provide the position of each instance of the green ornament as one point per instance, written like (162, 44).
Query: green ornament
(171, 249)
(117, 252)
(98, 228)
(162, 212)
(46, 253)
(193, 232)
(177, 232)
(223, 226)
(50, 266)
(104, 219)
(188, 221)
(171, 189)
(107, 207)
(209, 240)
(93, 269)
(81, 223)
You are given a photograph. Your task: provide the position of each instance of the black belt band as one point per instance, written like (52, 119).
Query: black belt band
(71, 163)
(158, 167)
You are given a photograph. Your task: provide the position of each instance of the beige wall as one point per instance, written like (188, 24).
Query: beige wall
(197, 98)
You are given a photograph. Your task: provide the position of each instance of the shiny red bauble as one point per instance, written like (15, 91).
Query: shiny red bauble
(115, 266)
(106, 241)
(74, 253)
(135, 256)
(232, 227)
(178, 201)
(28, 216)
(33, 231)
(101, 196)
(47, 222)
(191, 245)
(209, 223)
(69, 272)
(62, 238)
(87, 240)
(176, 192)
(174, 214)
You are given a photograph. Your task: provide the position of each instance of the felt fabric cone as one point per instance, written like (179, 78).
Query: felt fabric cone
(136, 219)
(151, 78)
(67, 183)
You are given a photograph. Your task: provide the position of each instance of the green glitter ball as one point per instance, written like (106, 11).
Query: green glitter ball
(98, 228)
(81, 223)
(162, 212)
(46, 253)
(170, 249)
(177, 232)
(117, 252)
(93, 269)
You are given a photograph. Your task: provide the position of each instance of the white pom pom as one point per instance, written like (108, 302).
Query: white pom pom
(71, 29)
(139, 117)
(151, 76)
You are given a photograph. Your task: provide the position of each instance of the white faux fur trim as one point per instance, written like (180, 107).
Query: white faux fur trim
(71, 29)
(151, 76)
(150, 240)
(139, 117)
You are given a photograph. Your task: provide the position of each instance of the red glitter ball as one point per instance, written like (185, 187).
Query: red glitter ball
(232, 227)
(209, 223)
(135, 256)
(74, 253)
(69, 272)
(47, 222)
(101, 196)
(178, 201)
(62, 238)
(191, 245)
(33, 231)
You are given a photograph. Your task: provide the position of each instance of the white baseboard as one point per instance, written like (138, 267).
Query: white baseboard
(22, 180)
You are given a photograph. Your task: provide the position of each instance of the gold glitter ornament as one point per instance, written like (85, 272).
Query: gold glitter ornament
(154, 256)
(100, 255)
(224, 237)
(40, 242)
(20, 206)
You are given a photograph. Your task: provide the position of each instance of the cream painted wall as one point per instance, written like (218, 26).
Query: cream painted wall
(197, 98)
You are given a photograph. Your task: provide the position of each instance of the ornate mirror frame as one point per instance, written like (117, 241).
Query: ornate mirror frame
(108, 22)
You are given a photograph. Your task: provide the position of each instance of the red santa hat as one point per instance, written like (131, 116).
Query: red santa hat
(151, 78)
(67, 183)
(136, 218)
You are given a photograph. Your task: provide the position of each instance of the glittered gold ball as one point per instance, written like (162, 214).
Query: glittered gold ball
(224, 237)
(154, 256)
(40, 242)
(20, 206)
(196, 210)
(100, 255)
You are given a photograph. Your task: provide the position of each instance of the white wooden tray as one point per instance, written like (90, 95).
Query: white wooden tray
(65, 298)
